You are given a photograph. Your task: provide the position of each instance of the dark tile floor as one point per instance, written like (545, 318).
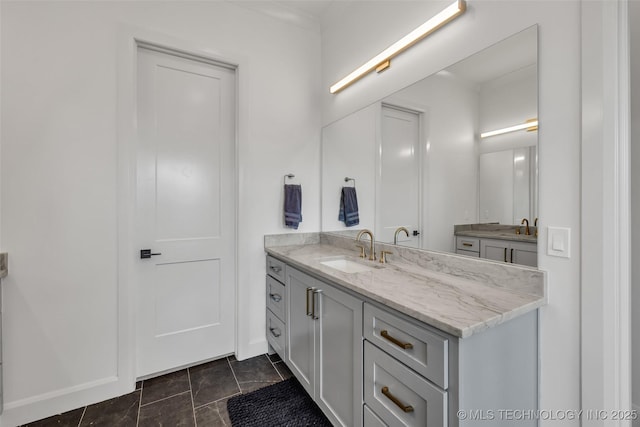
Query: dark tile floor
(196, 396)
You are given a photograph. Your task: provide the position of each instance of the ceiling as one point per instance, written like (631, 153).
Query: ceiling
(306, 13)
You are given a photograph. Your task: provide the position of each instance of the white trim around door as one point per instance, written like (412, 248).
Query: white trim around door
(129, 39)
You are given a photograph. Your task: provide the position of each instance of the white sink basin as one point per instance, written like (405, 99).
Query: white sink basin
(345, 265)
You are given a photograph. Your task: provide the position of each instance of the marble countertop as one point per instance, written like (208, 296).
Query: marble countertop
(457, 303)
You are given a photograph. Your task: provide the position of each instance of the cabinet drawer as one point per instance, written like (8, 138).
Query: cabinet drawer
(371, 419)
(275, 297)
(276, 333)
(275, 268)
(426, 352)
(398, 395)
(468, 244)
(468, 253)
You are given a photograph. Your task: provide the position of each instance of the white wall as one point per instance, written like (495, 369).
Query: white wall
(450, 163)
(350, 42)
(349, 150)
(59, 175)
(634, 19)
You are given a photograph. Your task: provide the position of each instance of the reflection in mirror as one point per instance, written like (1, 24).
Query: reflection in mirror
(419, 160)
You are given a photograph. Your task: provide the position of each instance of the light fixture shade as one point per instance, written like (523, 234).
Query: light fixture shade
(443, 17)
(530, 125)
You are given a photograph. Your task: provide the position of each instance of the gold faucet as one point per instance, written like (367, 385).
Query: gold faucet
(398, 230)
(372, 253)
(527, 232)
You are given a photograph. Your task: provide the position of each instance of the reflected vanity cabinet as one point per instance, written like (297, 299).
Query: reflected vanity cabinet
(510, 252)
(276, 305)
(522, 253)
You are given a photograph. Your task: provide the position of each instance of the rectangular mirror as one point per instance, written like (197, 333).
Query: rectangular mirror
(420, 163)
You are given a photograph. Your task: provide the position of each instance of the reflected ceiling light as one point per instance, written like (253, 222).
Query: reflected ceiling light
(382, 61)
(530, 126)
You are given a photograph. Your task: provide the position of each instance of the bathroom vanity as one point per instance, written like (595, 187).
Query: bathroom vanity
(426, 339)
(498, 243)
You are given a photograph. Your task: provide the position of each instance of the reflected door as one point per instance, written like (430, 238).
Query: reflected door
(185, 212)
(399, 183)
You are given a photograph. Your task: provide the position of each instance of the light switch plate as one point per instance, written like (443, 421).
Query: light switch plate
(558, 242)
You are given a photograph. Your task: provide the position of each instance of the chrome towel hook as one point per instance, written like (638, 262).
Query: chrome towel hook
(347, 179)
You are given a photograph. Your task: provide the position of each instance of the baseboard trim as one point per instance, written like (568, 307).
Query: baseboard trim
(252, 349)
(47, 404)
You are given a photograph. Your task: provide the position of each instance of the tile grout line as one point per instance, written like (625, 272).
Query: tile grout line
(234, 375)
(140, 403)
(193, 404)
(84, 411)
(164, 398)
(274, 367)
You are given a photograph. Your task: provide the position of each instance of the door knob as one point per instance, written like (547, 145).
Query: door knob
(146, 253)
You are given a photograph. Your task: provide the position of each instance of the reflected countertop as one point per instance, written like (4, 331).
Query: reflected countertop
(496, 231)
(458, 295)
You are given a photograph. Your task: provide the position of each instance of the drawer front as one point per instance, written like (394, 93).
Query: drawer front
(371, 419)
(275, 297)
(468, 253)
(398, 395)
(275, 268)
(468, 244)
(426, 352)
(276, 333)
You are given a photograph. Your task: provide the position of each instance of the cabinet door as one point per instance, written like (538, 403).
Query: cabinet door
(524, 253)
(300, 328)
(494, 249)
(339, 356)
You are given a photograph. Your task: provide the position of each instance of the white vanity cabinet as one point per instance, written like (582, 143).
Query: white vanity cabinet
(368, 365)
(324, 345)
(276, 305)
(406, 372)
(511, 252)
(417, 376)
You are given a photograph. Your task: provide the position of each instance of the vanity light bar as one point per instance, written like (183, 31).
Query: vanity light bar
(439, 20)
(530, 125)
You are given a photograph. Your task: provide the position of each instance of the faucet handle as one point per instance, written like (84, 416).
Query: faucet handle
(382, 256)
(362, 253)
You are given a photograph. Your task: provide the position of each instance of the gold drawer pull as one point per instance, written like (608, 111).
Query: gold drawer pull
(467, 244)
(391, 397)
(403, 345)
(275, 269)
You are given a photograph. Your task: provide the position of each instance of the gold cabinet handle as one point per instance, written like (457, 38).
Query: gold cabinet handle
(511, 255)
(275, 297)
(309, 289)
(403, 345)
(315, 292)
(505, 254)
(274, 333)
(399, 404)
(467, 244)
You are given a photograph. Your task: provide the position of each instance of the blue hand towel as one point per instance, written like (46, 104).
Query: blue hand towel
(292, 205)
(349, 207)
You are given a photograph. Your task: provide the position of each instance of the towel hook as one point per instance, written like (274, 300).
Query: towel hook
(347, 179)
(289, 175)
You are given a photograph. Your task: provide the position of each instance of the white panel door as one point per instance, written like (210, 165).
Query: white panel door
(185, 211)
(399, 194)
